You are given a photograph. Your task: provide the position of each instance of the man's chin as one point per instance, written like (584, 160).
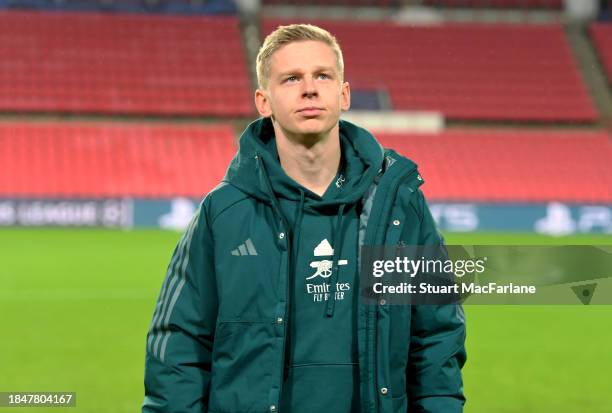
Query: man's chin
(313, 134)
(311, 130)
(314, 126)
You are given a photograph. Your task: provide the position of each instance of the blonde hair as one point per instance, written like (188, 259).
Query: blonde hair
(284, 35)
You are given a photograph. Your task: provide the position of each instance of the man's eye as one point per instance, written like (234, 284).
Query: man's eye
(291, 79)
(324, 76)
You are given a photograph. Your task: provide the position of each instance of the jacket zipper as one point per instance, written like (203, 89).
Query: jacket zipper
(401, 179)
(286, 322)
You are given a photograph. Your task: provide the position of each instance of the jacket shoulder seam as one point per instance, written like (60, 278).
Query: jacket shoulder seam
(225, 196)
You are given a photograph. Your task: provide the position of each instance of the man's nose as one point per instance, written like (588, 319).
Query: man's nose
(309, 87)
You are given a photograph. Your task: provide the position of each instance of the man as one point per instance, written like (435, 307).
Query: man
(260, 310)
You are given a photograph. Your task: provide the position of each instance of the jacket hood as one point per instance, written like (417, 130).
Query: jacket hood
(256, 170)
(256, 164)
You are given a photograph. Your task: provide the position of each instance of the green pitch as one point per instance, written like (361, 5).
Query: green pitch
(75, 306)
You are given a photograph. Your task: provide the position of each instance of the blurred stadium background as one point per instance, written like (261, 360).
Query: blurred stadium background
(117, 117)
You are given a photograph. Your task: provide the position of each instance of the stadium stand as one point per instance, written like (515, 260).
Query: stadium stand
(502, 72)
(122, 64)
(511, 165)
(510, 4)
(104, 160)
(145, 64)
(602, 38)
(66, 160)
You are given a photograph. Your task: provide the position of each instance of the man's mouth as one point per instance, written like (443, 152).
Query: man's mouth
(310, 111)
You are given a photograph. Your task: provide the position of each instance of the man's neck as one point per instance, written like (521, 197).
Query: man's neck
(312, 162)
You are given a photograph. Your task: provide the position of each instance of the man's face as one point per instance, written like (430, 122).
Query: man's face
(304, 94)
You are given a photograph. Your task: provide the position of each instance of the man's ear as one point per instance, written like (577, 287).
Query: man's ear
(345, 96)
(262, 102)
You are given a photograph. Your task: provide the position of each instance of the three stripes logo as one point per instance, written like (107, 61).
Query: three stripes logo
(247, 248)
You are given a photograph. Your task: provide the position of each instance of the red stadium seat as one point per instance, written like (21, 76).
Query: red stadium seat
(69, 160)
(122, 64)
(511, 165)
(495, 72)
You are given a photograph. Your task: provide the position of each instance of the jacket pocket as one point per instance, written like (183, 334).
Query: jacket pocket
(243, 363)
(226, 329)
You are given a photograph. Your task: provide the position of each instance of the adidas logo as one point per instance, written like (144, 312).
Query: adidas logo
(245, 249)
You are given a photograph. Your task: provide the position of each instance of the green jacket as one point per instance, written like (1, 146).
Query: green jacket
(218, 338)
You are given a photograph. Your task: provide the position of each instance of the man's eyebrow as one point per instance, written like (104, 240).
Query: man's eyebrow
(299, 71)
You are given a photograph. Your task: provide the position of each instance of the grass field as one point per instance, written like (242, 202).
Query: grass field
(75, 306)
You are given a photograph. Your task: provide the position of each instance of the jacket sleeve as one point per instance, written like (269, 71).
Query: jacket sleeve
(437, 345)
(180, 339)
